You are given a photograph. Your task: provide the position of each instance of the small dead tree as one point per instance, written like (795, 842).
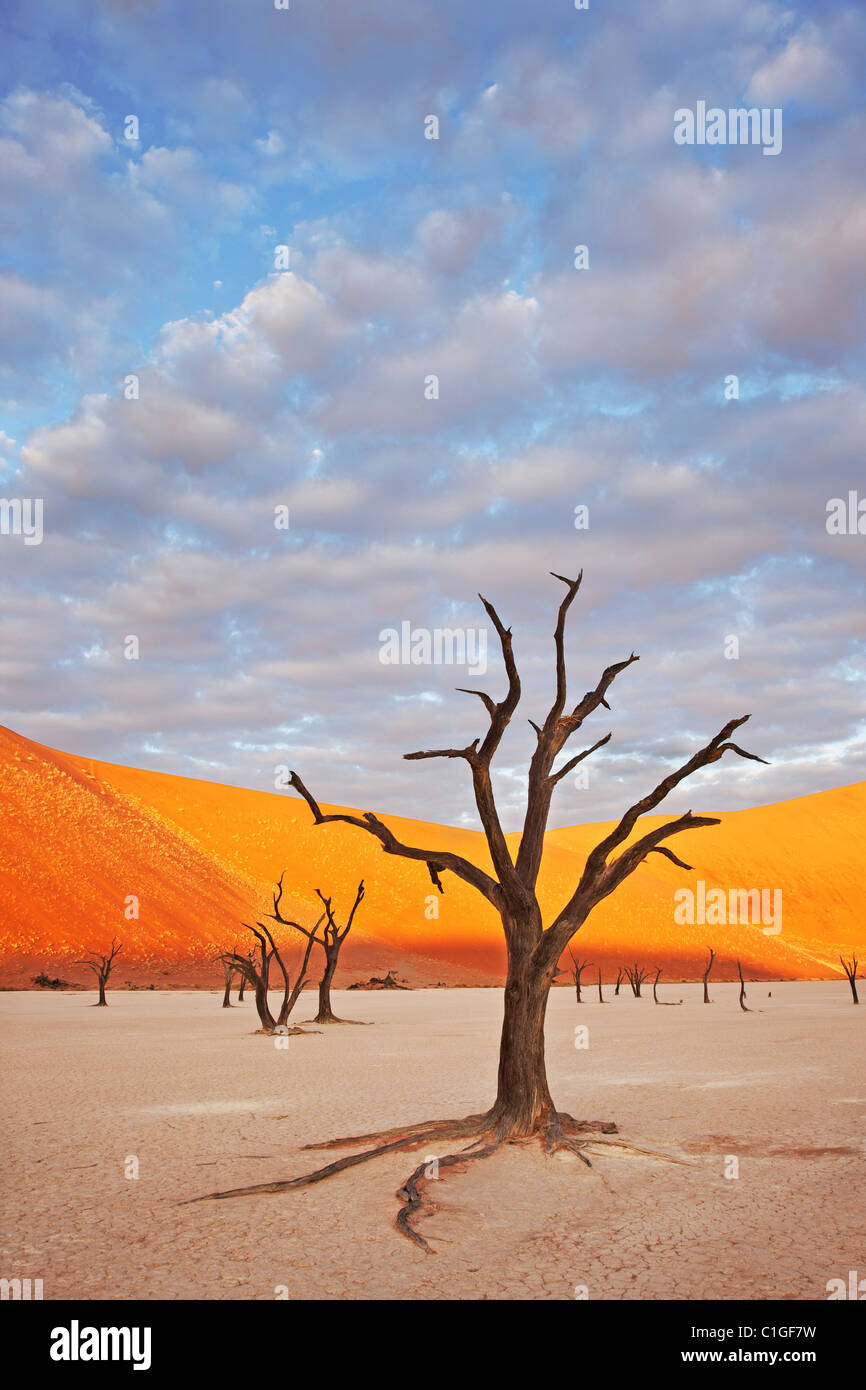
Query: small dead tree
(618, 980)
(523, 1107)
(712, 956)
(742, 990)
(102, 965)
(331, 941)
(576, 974)
(242, 984)
(229, 972)
(850, 968)
(601, 998)
(256, 968)
(636, 976)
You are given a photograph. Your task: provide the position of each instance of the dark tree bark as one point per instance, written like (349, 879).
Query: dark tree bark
(601, 998)
(578, 967)
(102, 965)
(850, 968)
(331, 942)
(712, 957)
(636, 976)
(523, 1106)
(618, 980)
(743, 990)
(228, 976)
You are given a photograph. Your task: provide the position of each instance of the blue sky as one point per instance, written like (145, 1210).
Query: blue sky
(304, 388)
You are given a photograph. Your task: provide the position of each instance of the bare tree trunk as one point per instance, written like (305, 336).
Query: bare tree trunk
(263, 1008)
(325, 1014)
(227, 993)
(712, 957)
(655, 987)
(241, 988)
(618, 980)
(102, 999)
(601, 998)
(523, 1102)
(742, 990)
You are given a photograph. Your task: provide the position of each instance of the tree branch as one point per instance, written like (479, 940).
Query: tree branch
(438, 859)
(600, 877)
(551, 739)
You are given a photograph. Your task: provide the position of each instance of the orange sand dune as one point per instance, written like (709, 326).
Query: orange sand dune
(79, 838)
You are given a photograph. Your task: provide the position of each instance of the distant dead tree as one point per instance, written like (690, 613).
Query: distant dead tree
(256, 967)
(667, 1003)
(523, 1107)
(850, 968)
(601, 998)
(229, 972)
(102, 967)
(331, 941)
(742, 990)
(712, 956)
(578, 967)
(636, 977)
(618, 980)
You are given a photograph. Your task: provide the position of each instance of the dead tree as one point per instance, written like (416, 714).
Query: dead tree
(102, 967)
(618, 980)
(742, 990)
(850, 968)
(665, 1003)
(229, 973)
(578, 967)
(636, 975)
(523, 1107)
(228, 976)
(256, 967)
(712, 956)
(331, 941)
(601, 998)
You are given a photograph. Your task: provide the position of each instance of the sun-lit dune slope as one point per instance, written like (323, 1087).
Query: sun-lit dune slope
(78, 838)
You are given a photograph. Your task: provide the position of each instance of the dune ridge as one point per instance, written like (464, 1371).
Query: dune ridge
(79, 838)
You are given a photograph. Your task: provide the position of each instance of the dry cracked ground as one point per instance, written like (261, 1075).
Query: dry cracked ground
(200, 1102)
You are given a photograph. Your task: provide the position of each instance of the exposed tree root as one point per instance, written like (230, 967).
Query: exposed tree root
(469, 1124)
(350, 1022)
(283, 1031)
(487, 1132)
(413, 1191)
(635, 1149)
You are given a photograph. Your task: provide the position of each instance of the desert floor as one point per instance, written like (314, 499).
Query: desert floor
(203, 1103)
